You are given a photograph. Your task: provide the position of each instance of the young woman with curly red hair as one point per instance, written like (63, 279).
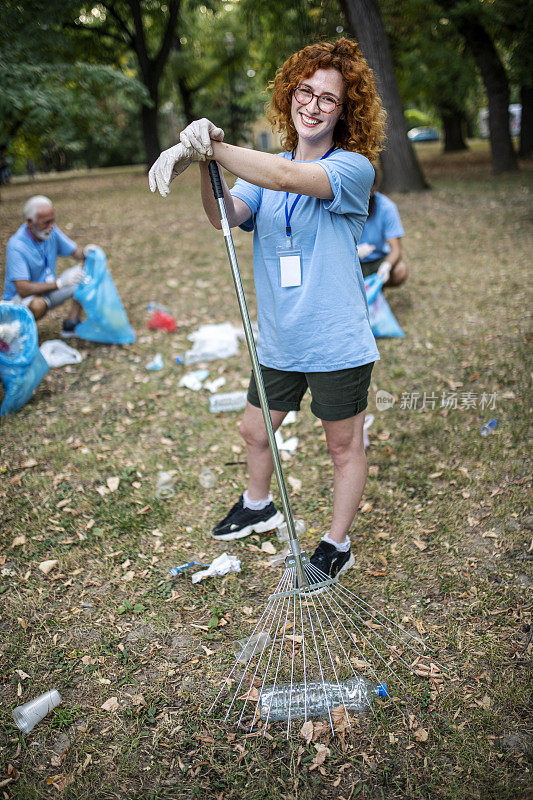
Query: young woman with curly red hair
(309, 202)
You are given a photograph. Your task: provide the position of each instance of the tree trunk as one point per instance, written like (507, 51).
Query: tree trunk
(401, 170)
(152, 147)
(187, 99)
(526, 125)
(452, 124)
(495, 81)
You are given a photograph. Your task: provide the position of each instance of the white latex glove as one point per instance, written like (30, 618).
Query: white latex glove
(87, 249)
(169, 165)
(364, 250)
(198, 135)
(384, 271)
(70, 277)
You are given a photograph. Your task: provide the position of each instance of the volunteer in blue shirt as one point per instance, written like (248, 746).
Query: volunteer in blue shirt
(306, 208)
(31, 255)
(380, 246)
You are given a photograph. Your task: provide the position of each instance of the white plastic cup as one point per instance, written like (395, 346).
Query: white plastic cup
(164, 488)
(31, 713)
(244, 649)
(207, 478)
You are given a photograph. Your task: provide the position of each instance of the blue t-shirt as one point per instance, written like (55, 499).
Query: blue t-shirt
(29, 260)
(321, 325)
(384, 223)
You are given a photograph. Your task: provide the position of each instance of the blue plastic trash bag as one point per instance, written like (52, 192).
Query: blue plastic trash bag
(22, 365)
(382, 320)
(106, 321)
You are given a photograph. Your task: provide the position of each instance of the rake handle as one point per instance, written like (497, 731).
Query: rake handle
(218, 191)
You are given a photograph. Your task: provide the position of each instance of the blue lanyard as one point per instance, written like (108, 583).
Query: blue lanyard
(288, 214)
(42, 252)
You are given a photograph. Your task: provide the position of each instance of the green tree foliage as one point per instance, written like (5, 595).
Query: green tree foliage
(433, 68)
(54, 107)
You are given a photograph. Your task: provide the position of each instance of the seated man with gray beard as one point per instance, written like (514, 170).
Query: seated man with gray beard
(31, 255)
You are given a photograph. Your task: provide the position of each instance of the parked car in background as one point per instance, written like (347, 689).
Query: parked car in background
(424, 134)
(515, 118)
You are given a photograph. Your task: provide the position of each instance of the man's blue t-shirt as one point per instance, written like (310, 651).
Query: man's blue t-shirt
(321, 325)
(29, 260)
(384, 223)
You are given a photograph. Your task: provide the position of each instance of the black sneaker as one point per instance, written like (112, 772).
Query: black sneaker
(243, 521)
(67, 330)
(330, 561)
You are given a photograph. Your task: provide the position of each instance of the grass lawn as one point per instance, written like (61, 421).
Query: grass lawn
(443, 541)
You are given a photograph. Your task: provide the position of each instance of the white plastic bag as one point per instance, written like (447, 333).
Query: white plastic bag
(58, 354)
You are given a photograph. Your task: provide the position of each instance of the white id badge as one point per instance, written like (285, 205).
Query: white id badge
(290, 267)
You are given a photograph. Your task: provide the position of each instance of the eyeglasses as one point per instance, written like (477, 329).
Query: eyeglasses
(325, 102)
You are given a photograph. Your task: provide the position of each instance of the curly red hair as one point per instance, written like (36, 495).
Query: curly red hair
(361, 128)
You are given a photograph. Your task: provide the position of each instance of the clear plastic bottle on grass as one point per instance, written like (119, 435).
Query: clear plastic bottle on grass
(315, 698)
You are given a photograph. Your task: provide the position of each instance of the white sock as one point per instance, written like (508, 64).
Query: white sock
(343, 547)
(255, 505)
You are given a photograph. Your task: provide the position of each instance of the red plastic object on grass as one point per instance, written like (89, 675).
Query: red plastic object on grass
(162, 321)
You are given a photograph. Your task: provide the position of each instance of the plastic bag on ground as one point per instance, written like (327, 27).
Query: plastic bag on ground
(382, 320)
(58, 354)
(213, 341)
(106, 322)
(22, 365)
(220, 566)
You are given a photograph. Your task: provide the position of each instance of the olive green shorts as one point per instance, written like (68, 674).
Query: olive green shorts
(335, 395)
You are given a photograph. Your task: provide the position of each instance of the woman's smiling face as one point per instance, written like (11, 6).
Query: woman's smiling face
(314, 126)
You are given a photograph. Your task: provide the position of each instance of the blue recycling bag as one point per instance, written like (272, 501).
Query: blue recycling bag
(382, 320)
(22, 366)
(106, 321)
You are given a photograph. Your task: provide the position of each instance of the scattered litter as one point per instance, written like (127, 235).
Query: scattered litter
(193, 380)
(164, 486)
(57, 353)
(206, 478)
(220, 566)
(178, 360)
(48, 566)
(244, 649)
(31, 713)
(161, 320)
(289, 445)
(290, 418)
(282, 532)
(183, 567)
(279, 558)
(231, 401)
(151, 307)
(156, 363)
(213, 341)
(489, 427)
(215, 385)
(369, 419)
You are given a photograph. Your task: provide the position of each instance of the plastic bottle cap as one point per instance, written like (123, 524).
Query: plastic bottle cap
(382, 690)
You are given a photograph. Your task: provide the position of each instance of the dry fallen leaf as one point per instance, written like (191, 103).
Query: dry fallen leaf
(112, 484)
(110, 705)
(420, 544)
(421, 735)
(322, 753)
(306, 731)
(268, 547)
(48, 566)
(102, 490)
(18, 541)
(295, 484)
